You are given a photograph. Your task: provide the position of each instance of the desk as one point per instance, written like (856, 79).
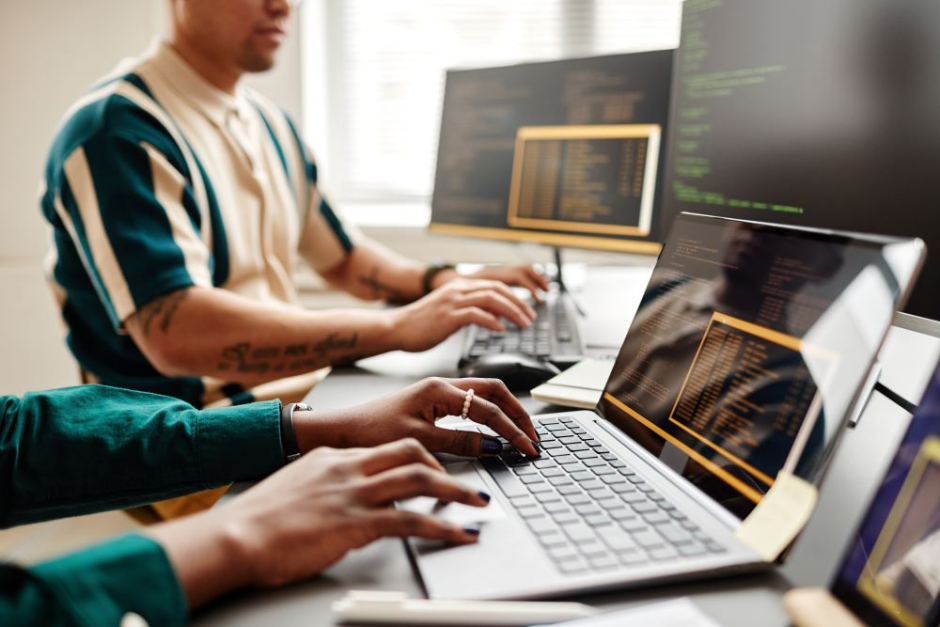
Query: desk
(745, 600)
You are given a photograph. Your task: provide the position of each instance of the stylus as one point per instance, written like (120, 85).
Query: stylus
(378, 607)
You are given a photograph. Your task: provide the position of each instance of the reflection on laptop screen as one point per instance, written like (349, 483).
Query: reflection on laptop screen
(891, 574)
(749, 346)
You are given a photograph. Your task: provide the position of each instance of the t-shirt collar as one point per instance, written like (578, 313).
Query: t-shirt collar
(214, 103)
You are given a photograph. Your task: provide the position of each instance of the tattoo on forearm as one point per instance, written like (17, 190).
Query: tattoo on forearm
(165, 308)
(246, 358)
(379, 289)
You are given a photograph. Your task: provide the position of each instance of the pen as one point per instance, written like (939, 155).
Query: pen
(378, 607)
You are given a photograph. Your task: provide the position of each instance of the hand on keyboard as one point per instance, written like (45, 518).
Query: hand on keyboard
(554, 336)
(413, 411)
(427, 322)
(521, 275)
(590, 510)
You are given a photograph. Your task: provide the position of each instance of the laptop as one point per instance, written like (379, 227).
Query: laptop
(890, 573)
(749, 348)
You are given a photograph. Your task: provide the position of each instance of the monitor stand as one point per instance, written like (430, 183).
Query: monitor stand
(560, 280)
(867, 390)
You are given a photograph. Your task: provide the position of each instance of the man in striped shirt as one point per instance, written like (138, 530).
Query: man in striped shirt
(180, 201)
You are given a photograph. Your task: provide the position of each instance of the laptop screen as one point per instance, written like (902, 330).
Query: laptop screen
(749, 347)
(891, 573)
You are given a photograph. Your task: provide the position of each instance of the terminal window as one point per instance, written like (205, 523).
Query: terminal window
(563, 153)
(590, 179)
(747, 380)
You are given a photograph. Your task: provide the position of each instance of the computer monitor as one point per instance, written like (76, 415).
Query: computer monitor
(820, 114)
(890, 574)
(563, 153)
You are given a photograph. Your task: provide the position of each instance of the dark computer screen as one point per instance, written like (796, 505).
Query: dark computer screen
(820, 114)
(749, 347)
(565, 153)
(891, 572)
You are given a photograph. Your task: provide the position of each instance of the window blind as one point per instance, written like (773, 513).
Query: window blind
(383, 63)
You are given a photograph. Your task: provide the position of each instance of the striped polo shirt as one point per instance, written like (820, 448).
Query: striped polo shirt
(156, 181)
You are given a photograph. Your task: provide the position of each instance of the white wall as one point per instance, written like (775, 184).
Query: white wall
(51, 51)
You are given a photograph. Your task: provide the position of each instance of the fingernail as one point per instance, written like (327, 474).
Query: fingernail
(538, 449)
(491, 446)
(473, 530)
(483, 495)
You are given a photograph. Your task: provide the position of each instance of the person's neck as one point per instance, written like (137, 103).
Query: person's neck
(219, 75)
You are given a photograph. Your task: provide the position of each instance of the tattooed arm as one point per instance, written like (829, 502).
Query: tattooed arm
(211, 332)
(373, 272)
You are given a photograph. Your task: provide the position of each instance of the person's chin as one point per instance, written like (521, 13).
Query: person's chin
(259, 63)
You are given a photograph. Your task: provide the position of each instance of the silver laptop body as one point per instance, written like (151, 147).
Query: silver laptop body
(600, 510)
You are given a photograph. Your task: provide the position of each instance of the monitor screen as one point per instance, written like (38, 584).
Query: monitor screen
(749, 347)
(564, 153)
(819, 114)
(891, 572)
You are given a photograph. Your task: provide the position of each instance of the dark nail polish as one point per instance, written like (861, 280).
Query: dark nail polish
(538, 449)
(483, 495)
(492, 447)
(473, 530)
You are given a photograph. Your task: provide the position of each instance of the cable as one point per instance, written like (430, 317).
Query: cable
(897, 398)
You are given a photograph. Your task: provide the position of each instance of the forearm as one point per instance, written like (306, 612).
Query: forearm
(92, 448)
(373, 272)
(211, 332)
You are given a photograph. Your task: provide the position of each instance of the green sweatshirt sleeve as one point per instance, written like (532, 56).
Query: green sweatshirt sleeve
(96, 586)
(91, 448)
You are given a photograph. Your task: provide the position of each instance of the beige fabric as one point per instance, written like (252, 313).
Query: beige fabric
(265, 228)
(227, 135)
(287, 390)
(189, 504)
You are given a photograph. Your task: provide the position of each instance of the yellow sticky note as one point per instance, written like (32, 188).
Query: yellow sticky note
(779, 517)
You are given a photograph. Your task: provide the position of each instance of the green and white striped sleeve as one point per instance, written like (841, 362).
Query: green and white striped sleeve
(119, 184)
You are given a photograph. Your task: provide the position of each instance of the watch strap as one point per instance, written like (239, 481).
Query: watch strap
(431, 272)
(288, 435)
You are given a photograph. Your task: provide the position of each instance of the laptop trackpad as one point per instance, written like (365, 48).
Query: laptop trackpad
(457, 513)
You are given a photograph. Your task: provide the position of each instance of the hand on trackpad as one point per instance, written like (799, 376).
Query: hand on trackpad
(457, 513)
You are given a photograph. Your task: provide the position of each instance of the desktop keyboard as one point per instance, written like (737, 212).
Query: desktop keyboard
(554, 336)
(588, 509)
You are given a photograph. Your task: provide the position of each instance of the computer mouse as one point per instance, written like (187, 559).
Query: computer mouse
(518, 372)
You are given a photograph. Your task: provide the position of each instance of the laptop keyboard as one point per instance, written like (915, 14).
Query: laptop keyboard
(553, 334)
(588, 509)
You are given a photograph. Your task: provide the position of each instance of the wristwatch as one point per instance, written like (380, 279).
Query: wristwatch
(431, 272)
(288, 436)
